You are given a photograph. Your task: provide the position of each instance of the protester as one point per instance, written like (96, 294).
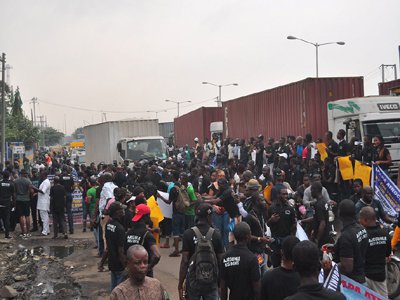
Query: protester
(7, 200)
(58, 196)
(282, 221)
(67, 181)
(351, 246)
(43, 204)
(138, 285)
(22, 189)
(368, 200)
(239, 268)
(141, 235)
(194, 288)
(115, 237)
(378, 252)
(306, 263)
(283, 281)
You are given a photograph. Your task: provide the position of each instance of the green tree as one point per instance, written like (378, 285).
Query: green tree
(18, 127)
(51, 136)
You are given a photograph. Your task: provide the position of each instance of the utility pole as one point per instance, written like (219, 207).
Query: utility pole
(383, 67)
(34, 101)
(41, 122)
(3, 108)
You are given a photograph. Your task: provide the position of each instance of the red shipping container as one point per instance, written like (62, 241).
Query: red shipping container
(389, 88)
(293, 109)
(195, 124)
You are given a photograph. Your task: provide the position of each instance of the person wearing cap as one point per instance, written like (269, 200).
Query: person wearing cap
(197, 148)
(203, 213)
(115, 238)
(140, 234)
(129, 212)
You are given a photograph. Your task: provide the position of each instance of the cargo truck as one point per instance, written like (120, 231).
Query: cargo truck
(123, 140)
(371, 116)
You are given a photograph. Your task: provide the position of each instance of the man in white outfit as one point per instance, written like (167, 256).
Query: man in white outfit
(43, 204)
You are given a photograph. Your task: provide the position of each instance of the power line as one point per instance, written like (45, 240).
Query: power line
(116, 112)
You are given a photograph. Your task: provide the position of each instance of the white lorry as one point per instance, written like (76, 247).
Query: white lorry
(117, 141)
(372, 116)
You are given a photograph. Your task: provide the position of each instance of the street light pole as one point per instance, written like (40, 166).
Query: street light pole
(219, 102)
(3, 108)
(316, 45)
(178, 103)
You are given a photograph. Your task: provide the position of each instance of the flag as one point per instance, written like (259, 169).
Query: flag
(346, 167)
(363, 172)
(322, 151)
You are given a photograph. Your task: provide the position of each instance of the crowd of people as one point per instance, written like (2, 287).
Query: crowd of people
(236, 207)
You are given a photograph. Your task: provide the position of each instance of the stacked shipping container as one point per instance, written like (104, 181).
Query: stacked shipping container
(390, 88)
(195, 124)
(293, 109)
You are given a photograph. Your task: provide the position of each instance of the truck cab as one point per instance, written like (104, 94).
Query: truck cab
(371, 116)
(142, 148)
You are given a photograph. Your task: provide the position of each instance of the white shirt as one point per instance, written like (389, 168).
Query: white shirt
(107, 192)
(44, 199)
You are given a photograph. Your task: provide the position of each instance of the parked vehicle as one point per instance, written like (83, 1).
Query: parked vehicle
(101, 139)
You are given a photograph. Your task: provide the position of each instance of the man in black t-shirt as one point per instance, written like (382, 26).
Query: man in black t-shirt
(7, 200)
(57, 204)
(239, 268)
(282, 222)
(203, 213)
(379, 249)
(350, 248)
(281, 282)
(332, 148)
(115, 237)
(321, 216)
(259, 154)
(140, 235)
(34, 198)
(306, 263)
(67, 181)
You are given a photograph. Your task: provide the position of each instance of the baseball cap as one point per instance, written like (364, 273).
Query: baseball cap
(114, 207)
(204, 210)
(253, 184)
(196, 139)
(141, 210)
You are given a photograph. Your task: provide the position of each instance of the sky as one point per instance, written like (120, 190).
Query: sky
(89, 60)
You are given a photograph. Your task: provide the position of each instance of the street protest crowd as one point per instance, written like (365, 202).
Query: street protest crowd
(248, 219)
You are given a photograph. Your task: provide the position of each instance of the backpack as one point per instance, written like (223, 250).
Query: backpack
(203, 267)
(183, 200)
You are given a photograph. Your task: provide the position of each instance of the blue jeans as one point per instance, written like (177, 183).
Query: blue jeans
(221, 222)
(178, 224)
(69, 212)
(116, 278)
(209, 294)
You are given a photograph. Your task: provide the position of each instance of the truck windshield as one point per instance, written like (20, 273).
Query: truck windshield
(388, 129)
(146, 149)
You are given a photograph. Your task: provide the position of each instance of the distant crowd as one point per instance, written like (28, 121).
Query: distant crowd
(237, 208)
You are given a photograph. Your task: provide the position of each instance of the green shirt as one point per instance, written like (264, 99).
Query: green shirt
(92, 202)
(192, 196)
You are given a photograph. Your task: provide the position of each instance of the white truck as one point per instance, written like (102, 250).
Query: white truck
(117, 141)
(372, 116)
